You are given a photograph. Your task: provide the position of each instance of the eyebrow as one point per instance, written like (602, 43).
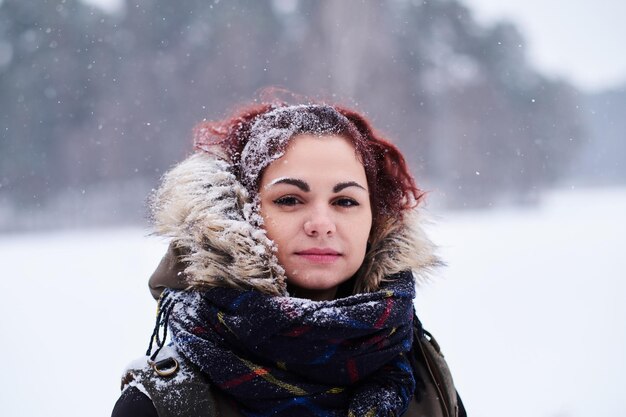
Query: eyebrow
(343, 185)
(291, 181)
(306, 188)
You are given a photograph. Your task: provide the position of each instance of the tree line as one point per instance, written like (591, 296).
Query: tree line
(95, 106)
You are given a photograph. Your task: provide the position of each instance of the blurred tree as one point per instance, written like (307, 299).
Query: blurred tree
(602, 161)
(105, 103)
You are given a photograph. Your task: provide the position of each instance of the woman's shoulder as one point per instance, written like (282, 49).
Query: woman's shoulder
(170, 384)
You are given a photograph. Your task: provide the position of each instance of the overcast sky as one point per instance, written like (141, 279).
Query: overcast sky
(580, 40)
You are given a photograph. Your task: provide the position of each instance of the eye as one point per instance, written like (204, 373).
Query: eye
(346, 202)
(287, 200)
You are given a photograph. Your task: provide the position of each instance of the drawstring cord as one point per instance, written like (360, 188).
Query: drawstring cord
(164, 309)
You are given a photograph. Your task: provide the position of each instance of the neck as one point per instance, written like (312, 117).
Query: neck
(314, 295)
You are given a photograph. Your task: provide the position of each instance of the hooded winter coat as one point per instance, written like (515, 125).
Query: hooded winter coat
(217, 241)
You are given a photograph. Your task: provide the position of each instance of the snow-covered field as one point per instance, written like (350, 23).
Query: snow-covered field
(530, 311)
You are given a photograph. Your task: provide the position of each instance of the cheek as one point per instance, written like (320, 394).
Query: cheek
(361, 229)
(275, 227)
(269, 222)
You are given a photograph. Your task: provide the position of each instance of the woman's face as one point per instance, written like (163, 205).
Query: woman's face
(316, 208)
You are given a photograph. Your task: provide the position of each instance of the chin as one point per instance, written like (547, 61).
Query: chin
(316, 280)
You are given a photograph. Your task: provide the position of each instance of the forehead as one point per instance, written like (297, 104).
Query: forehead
(314, 157)
(271, 132)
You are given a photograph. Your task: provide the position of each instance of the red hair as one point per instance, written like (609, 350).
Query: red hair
(392, 187)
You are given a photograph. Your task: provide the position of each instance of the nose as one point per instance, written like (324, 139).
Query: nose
(320, 223)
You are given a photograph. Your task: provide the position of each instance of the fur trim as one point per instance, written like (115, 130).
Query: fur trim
(399, 245)
(202, 207)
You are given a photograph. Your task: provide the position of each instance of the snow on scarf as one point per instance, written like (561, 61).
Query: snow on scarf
(284, 356)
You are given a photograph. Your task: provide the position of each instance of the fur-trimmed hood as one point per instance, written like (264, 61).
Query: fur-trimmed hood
(217, 238)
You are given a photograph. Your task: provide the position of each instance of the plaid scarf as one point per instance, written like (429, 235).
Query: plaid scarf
(284, 356)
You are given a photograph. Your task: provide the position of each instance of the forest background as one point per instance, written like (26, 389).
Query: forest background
(96, 105)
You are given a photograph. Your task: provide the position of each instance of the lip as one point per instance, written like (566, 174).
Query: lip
(319, 255)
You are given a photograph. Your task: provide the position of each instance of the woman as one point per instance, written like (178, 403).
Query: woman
(290, 277)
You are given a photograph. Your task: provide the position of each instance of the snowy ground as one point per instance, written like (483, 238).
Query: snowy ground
(530, 311)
